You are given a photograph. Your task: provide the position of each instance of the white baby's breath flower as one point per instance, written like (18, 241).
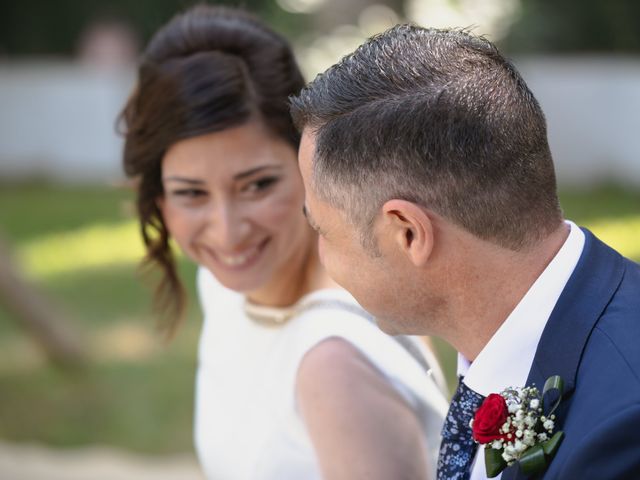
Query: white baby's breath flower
(548, 425)
(542, 437)
(529, 438)
(534, 404)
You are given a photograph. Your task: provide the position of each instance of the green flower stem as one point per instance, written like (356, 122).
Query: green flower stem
(553, 383)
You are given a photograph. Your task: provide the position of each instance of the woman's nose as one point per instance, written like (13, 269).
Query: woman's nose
(227, 227)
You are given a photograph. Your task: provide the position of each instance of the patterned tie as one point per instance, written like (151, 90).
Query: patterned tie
(458, 448)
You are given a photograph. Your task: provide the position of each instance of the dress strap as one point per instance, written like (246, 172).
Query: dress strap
(405, 341)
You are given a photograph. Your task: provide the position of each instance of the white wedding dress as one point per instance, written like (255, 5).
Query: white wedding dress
(247, 425)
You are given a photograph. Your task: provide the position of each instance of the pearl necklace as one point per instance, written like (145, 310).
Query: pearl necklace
(277, 316)
(268, 316)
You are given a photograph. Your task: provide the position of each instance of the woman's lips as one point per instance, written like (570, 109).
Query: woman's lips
(240, 260)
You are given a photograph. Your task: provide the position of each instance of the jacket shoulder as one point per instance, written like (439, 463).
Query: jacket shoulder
(619, 324)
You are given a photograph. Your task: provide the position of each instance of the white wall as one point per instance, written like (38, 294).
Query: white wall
(57, 119)
(592, 107)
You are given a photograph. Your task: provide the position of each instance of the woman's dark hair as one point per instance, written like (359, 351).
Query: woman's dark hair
(208, 69)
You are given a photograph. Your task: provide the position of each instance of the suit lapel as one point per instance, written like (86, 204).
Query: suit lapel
(587, 293)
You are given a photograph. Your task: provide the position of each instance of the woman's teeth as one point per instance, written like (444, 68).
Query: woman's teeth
(237, 260)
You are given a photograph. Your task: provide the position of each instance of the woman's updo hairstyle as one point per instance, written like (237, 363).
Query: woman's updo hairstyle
(209, 69)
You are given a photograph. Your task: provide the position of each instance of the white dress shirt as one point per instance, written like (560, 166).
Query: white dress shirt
(506, 360)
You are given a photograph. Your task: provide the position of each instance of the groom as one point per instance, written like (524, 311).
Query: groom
(431, 185)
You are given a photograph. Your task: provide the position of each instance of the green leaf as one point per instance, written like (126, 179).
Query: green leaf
(551, 446)
(493, 461)
(553, 383)
(533, 460)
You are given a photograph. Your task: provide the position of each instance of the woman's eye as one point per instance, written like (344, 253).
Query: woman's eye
(261, 184)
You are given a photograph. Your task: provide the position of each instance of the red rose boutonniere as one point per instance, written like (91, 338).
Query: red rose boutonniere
(514, 428)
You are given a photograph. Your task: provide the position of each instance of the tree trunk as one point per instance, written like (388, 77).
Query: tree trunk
(35, 313)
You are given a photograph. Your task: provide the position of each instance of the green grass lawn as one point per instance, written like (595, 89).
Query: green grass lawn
(80, 247)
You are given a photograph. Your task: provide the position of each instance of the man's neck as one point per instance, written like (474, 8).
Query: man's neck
(498, 279)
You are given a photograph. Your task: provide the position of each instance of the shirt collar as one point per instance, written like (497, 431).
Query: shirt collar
(506, 360)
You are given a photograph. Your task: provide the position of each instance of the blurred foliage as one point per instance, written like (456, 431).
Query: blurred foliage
(576, 26)
(145, 406)
(79, 246)
(44, 27)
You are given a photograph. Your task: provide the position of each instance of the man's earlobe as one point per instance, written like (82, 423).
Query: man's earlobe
(413, 229)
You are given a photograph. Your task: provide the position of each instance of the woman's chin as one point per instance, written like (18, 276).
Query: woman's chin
(241, 283)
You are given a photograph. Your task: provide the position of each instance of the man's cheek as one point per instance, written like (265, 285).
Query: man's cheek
(330, 263)
(321, 251)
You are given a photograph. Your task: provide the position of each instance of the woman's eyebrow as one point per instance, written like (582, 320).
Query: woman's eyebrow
(176, 178)
(252, 171)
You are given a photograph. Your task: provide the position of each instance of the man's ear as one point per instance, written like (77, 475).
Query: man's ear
(412, 229)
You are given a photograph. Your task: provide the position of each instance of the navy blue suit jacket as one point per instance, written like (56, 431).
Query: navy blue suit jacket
(592, 340)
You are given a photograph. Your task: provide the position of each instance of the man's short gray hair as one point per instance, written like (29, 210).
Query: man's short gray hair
(439, 118)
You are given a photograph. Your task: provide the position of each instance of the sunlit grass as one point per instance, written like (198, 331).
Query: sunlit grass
(95, 246)
(623, 234)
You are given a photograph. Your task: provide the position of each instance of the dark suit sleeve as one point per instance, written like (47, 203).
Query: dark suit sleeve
(610, 451)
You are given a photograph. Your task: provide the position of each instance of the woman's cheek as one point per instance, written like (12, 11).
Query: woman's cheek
(284, 211)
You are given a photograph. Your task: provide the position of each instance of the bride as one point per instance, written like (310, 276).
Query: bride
(294, 379)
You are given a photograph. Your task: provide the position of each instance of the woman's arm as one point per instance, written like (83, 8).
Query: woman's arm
(361, 428)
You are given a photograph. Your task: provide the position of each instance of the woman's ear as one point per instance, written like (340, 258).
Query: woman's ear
(160, 204)
(411, 228)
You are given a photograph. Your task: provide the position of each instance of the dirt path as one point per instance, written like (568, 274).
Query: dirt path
(31, 462)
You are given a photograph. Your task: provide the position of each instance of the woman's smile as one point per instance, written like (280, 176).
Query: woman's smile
(238, 261)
